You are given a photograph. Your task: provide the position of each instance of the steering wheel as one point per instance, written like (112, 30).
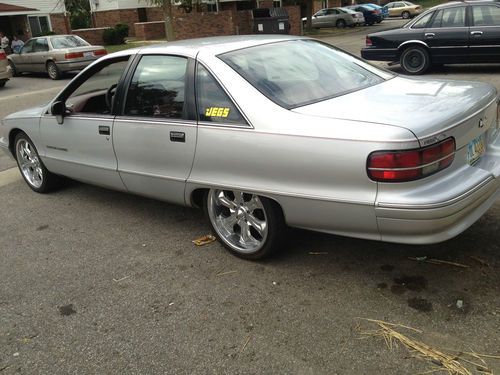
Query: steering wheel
(109, 95)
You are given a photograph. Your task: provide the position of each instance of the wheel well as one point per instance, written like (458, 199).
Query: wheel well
(401, 49)
(12, 137)
(47, 62)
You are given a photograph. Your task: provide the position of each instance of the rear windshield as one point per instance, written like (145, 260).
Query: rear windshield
(69, 41)
(300, 72)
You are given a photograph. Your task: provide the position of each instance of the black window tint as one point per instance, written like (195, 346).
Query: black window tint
(422, 22)
(453, 17)
(157, 88)
(486, 15)
(213, 103)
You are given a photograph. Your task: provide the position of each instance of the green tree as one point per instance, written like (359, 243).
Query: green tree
(79, 11)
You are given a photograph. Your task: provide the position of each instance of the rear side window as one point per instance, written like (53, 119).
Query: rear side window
(213, 103)
(486, 15)
(157, 88)
(300, 72)
(452, 17)
(422, 22)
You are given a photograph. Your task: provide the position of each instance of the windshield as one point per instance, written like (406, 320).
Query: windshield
(300, 72)
(68, 41)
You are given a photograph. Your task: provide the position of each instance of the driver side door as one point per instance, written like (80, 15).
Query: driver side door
(81, 147)
(22, 60)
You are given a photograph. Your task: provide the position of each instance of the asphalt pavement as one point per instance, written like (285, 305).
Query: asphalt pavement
(98, 282)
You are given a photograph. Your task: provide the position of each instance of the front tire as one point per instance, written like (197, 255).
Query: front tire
(3, 82)
(15, 73)
(248, 225)
(34, 173)
(415, 60)
(53, 71)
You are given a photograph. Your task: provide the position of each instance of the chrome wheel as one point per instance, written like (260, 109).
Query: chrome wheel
(239, 219)
(52, 70)
(29, 163)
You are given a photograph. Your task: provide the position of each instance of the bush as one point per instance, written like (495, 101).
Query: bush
(115, 35)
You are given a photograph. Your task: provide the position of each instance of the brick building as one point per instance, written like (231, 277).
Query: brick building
(28, 18)
(208, 18)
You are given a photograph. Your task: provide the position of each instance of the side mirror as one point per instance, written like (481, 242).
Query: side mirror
(58, 109)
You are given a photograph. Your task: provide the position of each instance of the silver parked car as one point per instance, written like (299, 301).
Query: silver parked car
(5, 71)
(336, 17)
(55, 55)
(266, 131)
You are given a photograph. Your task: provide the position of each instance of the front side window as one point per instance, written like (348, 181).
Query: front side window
(320, 13)
(213, 103)
(157, 88)
(300, 72)
(29, 46)
(486, 15)
(94, 94)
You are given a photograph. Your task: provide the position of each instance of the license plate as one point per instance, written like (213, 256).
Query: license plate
(88, 54)
(475, 149)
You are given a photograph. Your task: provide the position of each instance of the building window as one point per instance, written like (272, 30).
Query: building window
(142, 14)
(211, 7)
(39, 25)
(277, 4)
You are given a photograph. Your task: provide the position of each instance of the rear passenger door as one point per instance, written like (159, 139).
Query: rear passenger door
(155, 132)
(484, 33)
(447, 35)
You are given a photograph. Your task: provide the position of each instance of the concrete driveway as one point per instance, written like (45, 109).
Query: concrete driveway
(99, 282)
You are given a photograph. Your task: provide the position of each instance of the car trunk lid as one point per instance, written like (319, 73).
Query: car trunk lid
(430, 109)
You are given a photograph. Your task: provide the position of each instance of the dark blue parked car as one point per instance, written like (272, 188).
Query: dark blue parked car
(371, 15)
(383, 10)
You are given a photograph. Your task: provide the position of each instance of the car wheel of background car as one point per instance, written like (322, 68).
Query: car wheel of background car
(415, 60)
(340, 24)
(2, 83)
(53, 71)
(13, 69)
(35, 174)
(249, 226)
(405, 15)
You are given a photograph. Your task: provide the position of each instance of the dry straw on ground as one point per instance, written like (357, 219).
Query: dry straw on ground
(446, 361)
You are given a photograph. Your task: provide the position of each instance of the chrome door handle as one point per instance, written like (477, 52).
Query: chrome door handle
(104, 130)
(476, 33)
(430, 35)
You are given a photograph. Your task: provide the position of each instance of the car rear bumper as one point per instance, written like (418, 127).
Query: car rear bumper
(379, 54)
(431, 225)
(5, 74)
(66, 66)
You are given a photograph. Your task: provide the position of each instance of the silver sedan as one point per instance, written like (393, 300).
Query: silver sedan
(55, 55)
(264, 132)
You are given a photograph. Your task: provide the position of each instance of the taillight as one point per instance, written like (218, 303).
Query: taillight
(3, 56)
(368, 42)
(73, 55)
(408, 165)
(100, 52)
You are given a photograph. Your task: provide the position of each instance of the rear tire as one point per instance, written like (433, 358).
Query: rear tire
(415, 60)
(53, 71)
(249, 226)
(15, 73)
(405, 15)
(34, 173)
(2, 83)
(340, 24)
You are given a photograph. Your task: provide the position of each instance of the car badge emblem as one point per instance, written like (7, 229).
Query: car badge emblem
(481, 123)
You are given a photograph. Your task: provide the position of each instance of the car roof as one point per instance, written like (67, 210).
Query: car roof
(214, 45)
(453, 3)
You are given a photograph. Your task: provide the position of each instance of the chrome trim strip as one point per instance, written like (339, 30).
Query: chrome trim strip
(208, 124)
(156, 121)
(97, 117)
(448, 47)
(80, 164)
(439, 204)
(281, 193)
(152, 175)
(486, 46)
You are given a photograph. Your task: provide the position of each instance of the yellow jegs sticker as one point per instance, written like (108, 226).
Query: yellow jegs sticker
(217, 112)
